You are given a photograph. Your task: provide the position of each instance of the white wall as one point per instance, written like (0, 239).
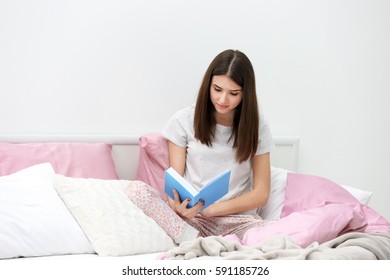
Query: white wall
(123, 67)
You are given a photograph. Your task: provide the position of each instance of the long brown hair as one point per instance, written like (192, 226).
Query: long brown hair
(245, 132)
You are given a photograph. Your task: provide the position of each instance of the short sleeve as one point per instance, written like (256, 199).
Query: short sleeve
(178, 128)
(266, 143)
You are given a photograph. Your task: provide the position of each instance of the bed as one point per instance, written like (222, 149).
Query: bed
(68, 196)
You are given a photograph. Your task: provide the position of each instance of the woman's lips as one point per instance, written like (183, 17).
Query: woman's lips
(223, 107)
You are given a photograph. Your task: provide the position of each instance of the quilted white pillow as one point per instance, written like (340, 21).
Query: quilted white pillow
(112, 223)
(33, 219)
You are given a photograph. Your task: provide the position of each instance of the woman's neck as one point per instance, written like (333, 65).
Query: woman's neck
(224, 119)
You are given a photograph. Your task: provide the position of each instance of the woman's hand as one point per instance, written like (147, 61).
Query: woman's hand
(181, 207)
(209, 211)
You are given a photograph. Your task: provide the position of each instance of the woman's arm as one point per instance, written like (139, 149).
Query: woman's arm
(177, 157)
(256, 198)
(177, 160)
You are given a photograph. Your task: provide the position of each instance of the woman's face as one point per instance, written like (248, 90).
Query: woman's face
(226, 95)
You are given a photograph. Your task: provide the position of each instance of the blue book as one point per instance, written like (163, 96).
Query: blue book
(209, 193)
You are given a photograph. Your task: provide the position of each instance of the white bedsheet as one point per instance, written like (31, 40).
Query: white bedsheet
(81, 266)
(83, 257)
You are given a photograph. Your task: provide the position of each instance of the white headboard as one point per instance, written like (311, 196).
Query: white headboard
(126, 152)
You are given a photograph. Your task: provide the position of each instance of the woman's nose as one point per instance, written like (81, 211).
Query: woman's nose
(223, 97)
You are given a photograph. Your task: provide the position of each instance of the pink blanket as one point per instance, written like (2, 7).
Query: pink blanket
(317, 210)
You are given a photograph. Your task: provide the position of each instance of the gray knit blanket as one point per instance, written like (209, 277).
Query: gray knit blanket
(354, 245)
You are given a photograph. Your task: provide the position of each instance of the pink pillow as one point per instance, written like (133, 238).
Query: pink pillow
(82, 160)
(304, 192)
(153, 161)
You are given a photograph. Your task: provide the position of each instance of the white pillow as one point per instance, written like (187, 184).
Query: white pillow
(113, 224)
(273, 209)
(361, 195)
(33, 219)
(275, 204)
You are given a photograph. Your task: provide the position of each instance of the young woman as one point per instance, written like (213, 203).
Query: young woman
(223, 130)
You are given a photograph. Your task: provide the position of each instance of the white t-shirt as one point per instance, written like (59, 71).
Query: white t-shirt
(203, 163)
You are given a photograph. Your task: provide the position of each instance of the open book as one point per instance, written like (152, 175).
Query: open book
(209, 193)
